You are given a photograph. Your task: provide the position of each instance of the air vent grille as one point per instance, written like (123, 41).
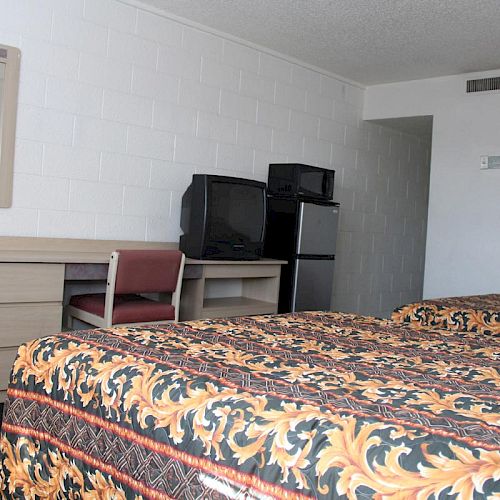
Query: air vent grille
(483, 84)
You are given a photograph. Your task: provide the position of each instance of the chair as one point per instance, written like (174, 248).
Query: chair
(131, 273)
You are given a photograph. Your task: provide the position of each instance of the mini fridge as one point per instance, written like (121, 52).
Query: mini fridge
(303, 232)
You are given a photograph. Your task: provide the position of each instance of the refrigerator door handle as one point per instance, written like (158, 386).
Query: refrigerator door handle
(294, 288)
(311, 256)
(300, 225)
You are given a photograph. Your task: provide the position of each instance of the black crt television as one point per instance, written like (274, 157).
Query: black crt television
(223, 218)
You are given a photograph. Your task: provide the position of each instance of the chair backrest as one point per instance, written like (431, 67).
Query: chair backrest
(144, 271)
(147, 271)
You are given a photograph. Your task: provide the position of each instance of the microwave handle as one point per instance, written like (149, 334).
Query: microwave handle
(326, 184)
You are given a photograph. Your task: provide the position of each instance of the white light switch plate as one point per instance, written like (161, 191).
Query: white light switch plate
(489, 162)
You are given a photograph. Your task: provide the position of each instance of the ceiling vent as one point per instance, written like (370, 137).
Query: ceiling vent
(483, 84)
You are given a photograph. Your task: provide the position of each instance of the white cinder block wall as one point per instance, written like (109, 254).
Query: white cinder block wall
(384, 222)
(118, 108)
(463, 240)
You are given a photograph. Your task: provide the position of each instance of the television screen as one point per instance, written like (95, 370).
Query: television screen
(236, 212)
(223, 218)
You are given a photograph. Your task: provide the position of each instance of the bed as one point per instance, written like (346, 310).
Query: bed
(473, 313)
(321, 405)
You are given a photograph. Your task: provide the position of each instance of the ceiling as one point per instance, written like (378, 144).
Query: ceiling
(368, 41)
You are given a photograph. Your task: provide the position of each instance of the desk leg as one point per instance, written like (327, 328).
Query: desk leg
(192, 295)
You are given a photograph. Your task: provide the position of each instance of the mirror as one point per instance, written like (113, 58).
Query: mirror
(9, 86)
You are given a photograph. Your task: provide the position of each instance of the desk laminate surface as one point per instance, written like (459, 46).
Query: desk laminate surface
(52, 256)
(68, 250)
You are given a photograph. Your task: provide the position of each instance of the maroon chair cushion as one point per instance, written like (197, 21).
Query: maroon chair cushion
(127, 308)
(147, 271)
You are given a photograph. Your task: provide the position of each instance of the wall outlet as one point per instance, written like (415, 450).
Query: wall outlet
(489, 162)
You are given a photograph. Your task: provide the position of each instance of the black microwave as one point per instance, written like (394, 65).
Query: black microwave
(302, 181)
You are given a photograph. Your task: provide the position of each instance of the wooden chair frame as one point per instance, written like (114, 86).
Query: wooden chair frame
(107, 321)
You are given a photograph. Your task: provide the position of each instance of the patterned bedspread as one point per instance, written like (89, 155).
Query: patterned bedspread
(474, 313)
(320, 405)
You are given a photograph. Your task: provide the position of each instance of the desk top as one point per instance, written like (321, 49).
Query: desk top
(59, 257)
(73, 251)
(49, 257)
(68, 250)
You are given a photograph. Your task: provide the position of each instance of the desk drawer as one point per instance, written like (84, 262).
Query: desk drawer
(31, 282)
(7, 357)
(23, 322)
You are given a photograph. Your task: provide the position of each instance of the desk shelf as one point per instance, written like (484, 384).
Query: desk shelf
(235, 306)
(259, 289)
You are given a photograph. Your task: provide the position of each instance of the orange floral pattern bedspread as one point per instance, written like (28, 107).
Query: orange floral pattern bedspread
(473, 313)
(308, 405)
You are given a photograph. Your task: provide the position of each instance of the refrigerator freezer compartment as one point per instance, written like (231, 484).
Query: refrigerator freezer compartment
(317, 229)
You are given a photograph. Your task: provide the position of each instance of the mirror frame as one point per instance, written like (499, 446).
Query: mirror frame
(11, 57)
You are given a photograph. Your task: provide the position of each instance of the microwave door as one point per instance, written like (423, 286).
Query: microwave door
(316, 184)
(317, 231)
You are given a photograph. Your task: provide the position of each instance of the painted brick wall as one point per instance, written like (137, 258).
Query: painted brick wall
(119, 107)
(381, 245)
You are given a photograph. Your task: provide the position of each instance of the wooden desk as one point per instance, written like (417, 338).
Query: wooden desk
(33, 273)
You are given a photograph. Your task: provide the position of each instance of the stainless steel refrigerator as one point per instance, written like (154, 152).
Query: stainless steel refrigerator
(303, 232)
